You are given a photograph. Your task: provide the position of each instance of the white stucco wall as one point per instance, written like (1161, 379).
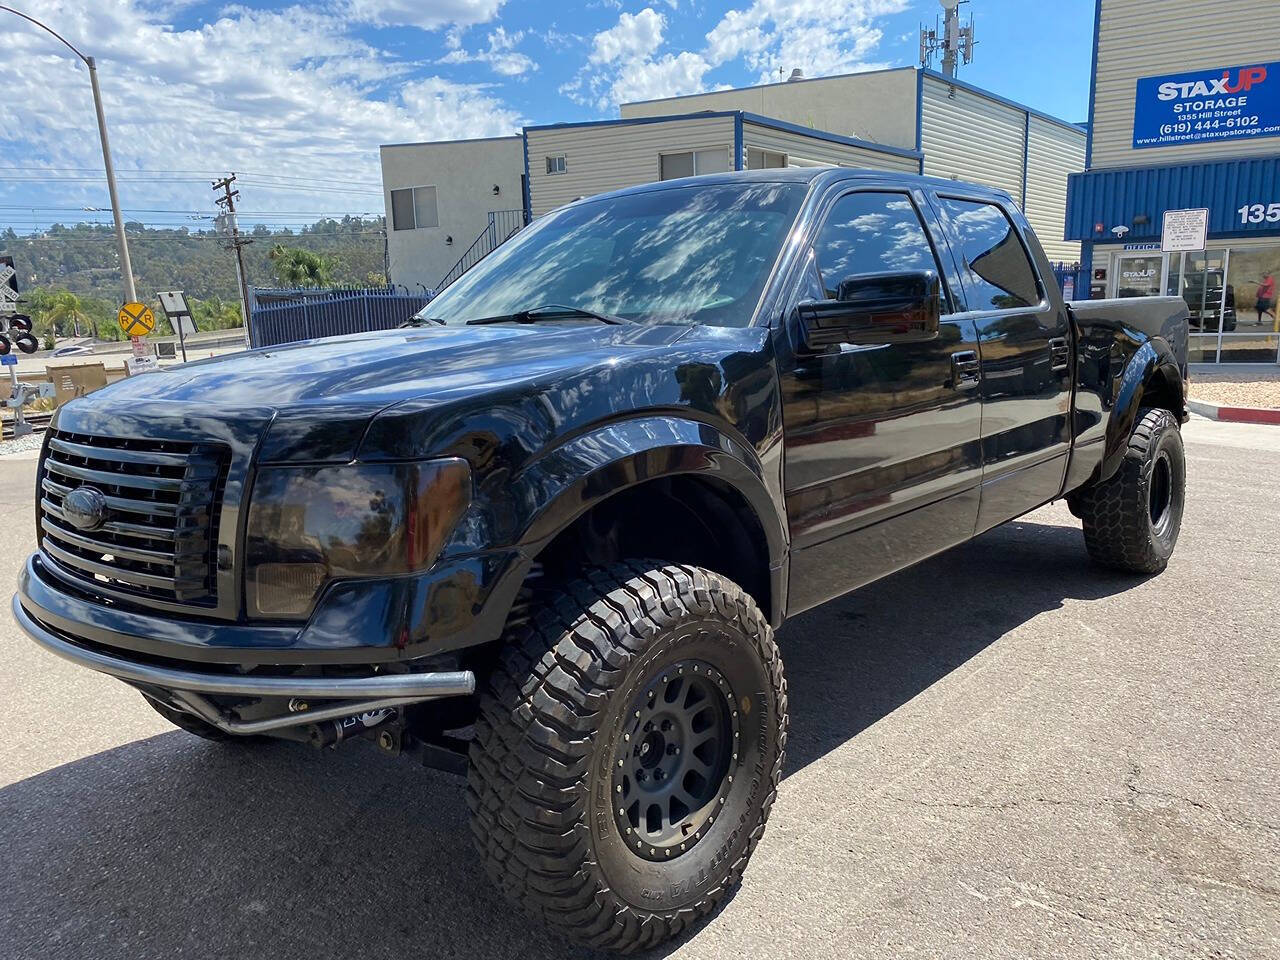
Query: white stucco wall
(464, 173)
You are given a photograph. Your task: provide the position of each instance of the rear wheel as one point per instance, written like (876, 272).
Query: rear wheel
(1131, 521)
(628, 752)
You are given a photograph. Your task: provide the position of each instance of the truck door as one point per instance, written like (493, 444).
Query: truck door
(882, 450)
(1025, 345)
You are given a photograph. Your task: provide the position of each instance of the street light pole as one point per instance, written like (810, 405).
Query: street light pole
(126, 265)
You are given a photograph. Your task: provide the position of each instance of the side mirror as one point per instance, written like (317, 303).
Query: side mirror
(874, 308)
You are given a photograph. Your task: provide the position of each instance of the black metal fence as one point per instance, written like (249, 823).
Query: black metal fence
(284, 316)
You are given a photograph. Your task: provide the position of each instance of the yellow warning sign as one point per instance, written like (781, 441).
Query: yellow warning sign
(136, 319)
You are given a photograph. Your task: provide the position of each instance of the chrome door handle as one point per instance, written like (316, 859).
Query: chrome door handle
(965, 369)
(1059, 354)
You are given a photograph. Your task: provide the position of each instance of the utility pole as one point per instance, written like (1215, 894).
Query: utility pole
(126, 265)
(228, 203)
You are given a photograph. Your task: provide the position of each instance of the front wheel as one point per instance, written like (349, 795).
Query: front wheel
(628, 751)
(1131, 521)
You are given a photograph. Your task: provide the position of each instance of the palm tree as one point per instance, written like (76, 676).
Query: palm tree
(67, 309)
(294, 267)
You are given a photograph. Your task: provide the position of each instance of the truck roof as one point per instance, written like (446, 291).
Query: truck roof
(820, 176)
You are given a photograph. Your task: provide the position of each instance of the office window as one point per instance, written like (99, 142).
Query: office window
(765, 159)
(999, 273)
(413, 208)
(693, 163)
(557, 164)
(871, 233)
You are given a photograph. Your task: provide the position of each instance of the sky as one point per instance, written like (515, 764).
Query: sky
(295, 97)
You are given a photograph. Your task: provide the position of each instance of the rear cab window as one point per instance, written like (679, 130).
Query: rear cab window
(995, 268)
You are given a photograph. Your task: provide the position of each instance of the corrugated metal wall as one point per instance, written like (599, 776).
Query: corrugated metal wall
(966, 136)
(797, 145)
(1053, 153)
(1148, 38)
(611, 156)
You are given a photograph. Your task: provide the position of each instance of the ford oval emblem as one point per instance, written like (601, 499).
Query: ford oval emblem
(85, 508)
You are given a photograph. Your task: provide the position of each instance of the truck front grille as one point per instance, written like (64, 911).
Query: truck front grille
(153, 532)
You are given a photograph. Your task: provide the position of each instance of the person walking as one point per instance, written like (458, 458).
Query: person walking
(1266, 301)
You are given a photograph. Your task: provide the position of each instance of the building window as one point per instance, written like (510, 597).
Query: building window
(557, 164)
(693, 163)
(765, 159)
(414, 208)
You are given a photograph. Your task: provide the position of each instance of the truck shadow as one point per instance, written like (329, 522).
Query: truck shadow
(169, 846)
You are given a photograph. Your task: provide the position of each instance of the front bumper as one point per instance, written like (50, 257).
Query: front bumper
(454, 605)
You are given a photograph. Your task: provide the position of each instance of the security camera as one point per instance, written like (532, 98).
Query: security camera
(1120, 231)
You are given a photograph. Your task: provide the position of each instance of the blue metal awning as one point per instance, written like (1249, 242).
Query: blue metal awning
(1099, 200)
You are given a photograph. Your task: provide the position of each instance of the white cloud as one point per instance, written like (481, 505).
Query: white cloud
(286, 92)
(501, 55)
(427, 14)
(635, 36)
(821, 37)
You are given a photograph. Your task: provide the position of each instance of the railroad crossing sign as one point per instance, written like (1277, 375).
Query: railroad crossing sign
(136, 319)
(8, 286)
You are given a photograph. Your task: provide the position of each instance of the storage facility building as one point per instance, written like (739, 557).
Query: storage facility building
(1182, 125)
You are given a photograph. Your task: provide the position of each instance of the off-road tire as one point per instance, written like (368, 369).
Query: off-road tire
(553, 718)
(195, 725)
(1131, 521)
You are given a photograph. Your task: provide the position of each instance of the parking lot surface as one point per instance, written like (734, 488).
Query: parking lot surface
(1002, 752)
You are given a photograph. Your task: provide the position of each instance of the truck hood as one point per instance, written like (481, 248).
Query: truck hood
(322, 394)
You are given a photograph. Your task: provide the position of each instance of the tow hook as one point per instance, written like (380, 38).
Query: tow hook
(330, 733)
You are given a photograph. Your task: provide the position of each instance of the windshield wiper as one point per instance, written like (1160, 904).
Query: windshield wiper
(551, 311)
(422, 321)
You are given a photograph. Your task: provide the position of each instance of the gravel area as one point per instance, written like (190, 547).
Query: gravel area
(25, 444)
(1253, 388)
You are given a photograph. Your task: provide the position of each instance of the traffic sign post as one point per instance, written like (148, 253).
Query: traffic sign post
(174, 305)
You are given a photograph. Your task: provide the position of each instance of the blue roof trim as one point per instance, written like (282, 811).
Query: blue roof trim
(740, 116)
(787, 127)
(633, 121)
(528, 181)
(1093, 83)
(920, 117)
(1026, 155)
(980, 91)
(1114, 197)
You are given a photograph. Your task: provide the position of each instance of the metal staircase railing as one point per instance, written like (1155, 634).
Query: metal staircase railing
(502, 226)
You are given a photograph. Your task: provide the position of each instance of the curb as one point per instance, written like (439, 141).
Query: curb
(1213, 411)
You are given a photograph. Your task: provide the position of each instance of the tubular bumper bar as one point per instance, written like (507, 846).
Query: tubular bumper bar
(406, 687)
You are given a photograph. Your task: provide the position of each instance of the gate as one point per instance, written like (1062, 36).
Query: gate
(288, 315)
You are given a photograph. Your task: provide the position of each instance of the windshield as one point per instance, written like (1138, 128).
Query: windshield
(697, 254)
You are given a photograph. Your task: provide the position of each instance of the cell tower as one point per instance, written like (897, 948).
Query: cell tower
(955, 41)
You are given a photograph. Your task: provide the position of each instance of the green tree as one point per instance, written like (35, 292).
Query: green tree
(295, 267)
(65, 310)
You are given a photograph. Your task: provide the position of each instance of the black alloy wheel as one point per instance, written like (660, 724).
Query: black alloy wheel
(672, 767)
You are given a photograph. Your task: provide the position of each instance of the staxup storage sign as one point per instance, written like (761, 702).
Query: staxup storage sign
(1201, 106)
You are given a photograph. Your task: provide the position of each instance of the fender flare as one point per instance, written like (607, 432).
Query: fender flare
(568, 480)
(1154, 359)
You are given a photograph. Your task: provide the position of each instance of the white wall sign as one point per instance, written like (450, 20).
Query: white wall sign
(1184, 230)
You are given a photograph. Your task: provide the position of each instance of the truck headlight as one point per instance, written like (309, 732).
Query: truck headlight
(310, 525)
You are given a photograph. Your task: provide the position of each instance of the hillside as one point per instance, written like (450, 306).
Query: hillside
(83, 258)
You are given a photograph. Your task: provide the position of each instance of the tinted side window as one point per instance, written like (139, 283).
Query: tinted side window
(871, 233)
(1000, 275)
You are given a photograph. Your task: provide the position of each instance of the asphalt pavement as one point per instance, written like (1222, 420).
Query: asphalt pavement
(1002, 752)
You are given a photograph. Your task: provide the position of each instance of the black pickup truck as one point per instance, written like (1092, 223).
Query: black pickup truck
(546, 531)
